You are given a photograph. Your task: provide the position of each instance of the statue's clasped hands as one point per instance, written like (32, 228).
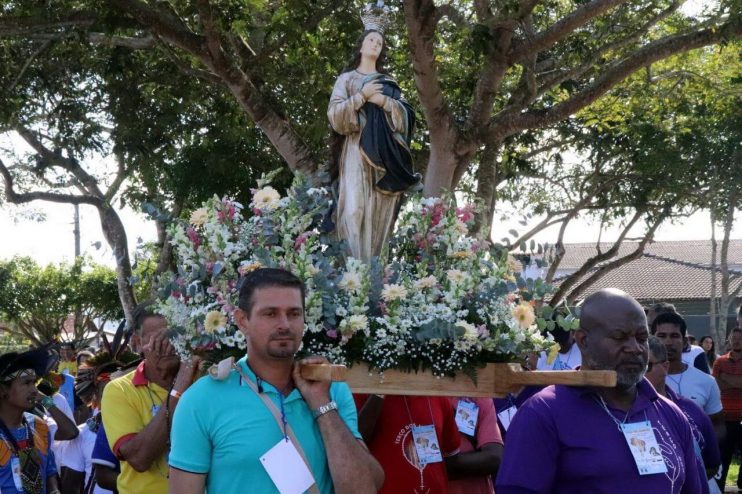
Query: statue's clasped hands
(372, 93)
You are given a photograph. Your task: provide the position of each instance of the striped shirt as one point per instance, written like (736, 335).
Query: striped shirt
(731, 398)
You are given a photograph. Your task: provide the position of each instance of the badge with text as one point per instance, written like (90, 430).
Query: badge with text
(467, 413)
(15, 466)
(287, 470)
(506, 416)
(426, 444)
(643, 446)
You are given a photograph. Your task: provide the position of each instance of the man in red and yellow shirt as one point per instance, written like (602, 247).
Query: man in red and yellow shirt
(137, 407)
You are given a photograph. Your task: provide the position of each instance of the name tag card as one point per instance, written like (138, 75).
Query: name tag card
(643, 446)
(426, 444)
(467, 414)
(286, 469)
(506, 416)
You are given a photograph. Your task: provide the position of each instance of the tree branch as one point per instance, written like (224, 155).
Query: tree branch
(607, 268)
(574, 278)
(510, 123)
(24, 26)
(14, 197)
(561, 29)
(27, 64)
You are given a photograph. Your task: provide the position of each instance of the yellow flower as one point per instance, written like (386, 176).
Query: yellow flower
(199, 217)
(249, 267)
(523, 313)
(461, 254)
(266, 198)
(214, 320)
(393, 292)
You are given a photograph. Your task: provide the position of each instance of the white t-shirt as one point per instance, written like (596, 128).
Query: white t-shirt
(563, 361)
(697, 386)
(690, 356)
(58, 446)
(78, 454)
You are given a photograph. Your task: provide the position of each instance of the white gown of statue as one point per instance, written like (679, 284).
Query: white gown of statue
(365, 215)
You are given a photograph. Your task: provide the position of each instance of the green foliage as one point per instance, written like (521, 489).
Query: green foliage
(35, 301)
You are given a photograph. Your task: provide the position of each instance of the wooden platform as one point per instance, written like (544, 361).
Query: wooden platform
(494, 380)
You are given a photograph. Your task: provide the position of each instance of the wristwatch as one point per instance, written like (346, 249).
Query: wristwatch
(318, 412)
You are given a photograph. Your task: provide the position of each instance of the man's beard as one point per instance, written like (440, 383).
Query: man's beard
(625, 378)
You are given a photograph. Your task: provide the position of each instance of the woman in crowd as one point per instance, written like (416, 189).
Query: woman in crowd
(709, 348)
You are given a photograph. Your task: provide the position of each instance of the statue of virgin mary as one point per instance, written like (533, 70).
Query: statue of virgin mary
(371, 153)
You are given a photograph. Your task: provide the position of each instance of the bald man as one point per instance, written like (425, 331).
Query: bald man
(626, 439)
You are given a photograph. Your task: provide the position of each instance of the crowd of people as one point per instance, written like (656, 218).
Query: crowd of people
(146, 423)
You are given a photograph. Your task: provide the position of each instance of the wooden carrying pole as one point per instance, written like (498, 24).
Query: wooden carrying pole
(494, 380)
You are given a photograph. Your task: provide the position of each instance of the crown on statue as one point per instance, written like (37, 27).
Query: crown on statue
(376, 17)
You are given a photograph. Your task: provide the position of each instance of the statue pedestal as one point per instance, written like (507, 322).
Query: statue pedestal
(493, 380)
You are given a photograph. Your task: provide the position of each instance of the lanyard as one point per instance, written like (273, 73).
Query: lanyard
(11, 442)
(281, 420)
(409, 414)
(603, 404)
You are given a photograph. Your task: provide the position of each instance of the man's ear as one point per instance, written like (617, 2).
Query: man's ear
(241, 319)
(580, 338)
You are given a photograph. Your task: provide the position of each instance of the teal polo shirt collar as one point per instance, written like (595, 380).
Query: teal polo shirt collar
(265, 385)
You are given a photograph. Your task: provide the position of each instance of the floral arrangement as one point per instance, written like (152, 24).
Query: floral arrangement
(445, 301)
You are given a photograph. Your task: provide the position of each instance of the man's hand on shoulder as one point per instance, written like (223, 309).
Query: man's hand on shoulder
(315, 393)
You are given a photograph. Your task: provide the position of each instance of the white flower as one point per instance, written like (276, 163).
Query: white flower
(351, 281)
(470, 331)
(358, 322)
(456, 276)
(199, 217)
(427, 282)
(266, 198)
(523, 313)
(214, 320)
(393, 292)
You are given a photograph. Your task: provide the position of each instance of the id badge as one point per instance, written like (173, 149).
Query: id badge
(506, 416)
(644, 448)
(467, 414)
(155, 409)
(426, 444)
(15, 466)
(287, 470)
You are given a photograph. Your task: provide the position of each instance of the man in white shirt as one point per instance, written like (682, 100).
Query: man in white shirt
(684, 378)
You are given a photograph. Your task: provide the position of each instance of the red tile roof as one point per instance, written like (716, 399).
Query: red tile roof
(657, 278)
(692, 251)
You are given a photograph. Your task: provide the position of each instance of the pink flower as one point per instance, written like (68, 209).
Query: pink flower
(301, 239)
(437, 215)
(332, 333)
(465, 214)
(482, 330)
(193, 236)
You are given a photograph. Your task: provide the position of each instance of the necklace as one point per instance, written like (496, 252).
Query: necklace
(677, 381)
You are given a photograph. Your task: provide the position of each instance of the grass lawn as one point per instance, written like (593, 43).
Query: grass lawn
(733, 472)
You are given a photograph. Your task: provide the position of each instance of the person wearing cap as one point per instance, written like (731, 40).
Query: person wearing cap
(27, 463)
(138, 407)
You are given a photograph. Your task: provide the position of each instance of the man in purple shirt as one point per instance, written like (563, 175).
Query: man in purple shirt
(703, 430)
(575, 440)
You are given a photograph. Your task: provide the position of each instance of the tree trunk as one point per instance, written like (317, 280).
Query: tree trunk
(713, 314)
(115, 235)
(486, 185)
(724, 298)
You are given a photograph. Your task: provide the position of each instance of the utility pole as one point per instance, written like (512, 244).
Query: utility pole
(76, 231)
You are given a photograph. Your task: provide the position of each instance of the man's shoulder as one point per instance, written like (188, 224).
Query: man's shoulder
(700, 376)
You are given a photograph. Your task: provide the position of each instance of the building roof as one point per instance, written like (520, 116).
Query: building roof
(657, 278)
(692, 251)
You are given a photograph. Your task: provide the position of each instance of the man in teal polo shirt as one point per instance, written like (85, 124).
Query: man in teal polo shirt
(264, 428)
